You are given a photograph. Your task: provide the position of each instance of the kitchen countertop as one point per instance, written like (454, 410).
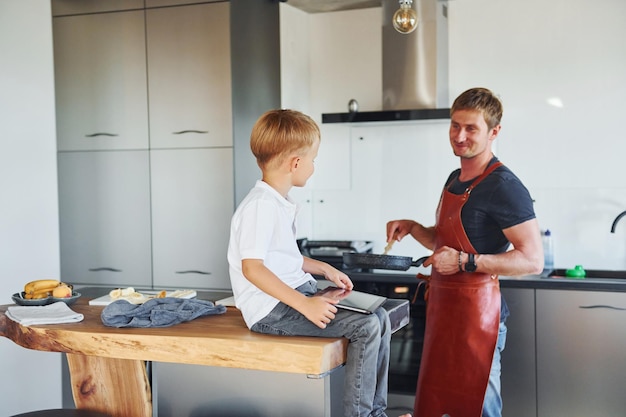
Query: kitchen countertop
(107, 364)
(107, 367)
(529, 281)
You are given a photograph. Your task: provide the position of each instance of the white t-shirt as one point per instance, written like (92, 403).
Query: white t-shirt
(263, 227)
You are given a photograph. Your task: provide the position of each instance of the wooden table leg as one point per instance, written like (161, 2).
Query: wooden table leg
(119, 387)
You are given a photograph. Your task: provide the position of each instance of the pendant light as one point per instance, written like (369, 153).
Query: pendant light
(405, 18)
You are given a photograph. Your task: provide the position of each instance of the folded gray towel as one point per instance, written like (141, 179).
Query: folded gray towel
(157, 312)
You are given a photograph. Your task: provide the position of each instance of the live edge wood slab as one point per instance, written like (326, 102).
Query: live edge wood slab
(107, 366)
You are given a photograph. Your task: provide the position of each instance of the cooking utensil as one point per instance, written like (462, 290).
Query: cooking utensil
(388, 247)
(370, 260)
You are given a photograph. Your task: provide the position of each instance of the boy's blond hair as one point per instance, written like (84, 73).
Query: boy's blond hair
(277, 134)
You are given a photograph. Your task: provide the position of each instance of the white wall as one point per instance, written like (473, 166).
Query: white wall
(528, 52)
(29, 247)
(569, 157)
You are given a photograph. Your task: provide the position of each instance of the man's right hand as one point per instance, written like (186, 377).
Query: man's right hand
(397, 229)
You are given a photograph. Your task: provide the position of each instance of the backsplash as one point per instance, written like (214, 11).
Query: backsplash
(562, 130)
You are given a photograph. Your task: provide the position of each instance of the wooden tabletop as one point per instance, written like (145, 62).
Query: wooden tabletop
(219, 340)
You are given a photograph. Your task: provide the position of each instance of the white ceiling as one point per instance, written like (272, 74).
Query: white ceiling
(321, 6)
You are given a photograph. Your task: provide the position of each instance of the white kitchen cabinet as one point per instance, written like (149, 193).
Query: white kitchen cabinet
(387, 179)
(581, 353)
(104, 206)
(189, 76)
(100, 81)
(333, 162)
(192, 203)
(332, 177)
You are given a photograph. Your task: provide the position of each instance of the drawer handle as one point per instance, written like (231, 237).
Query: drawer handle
(104, 269)
(94, 135)
(182, 132)
(193, 271)
(603, 306)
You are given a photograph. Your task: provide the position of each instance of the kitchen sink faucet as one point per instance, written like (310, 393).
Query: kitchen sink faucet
(619, 216)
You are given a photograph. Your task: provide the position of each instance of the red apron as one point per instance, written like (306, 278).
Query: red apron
(462, 319)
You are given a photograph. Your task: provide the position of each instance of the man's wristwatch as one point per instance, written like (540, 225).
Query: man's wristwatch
(470, 266)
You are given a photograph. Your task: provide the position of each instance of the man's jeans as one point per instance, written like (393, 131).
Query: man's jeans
(492, 407)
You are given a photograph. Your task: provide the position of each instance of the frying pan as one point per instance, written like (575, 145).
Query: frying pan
(370, 260)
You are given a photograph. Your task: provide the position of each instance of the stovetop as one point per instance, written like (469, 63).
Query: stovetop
(333, 247)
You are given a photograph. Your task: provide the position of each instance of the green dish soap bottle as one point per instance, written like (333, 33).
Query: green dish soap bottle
(577, 272)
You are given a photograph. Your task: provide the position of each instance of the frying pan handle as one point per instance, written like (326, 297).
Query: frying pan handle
(419, 261)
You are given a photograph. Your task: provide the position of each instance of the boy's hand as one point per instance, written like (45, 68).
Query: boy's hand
(337, 277)
(332, 274)
(320, 309)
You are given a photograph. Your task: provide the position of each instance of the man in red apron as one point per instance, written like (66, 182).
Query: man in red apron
(486, 226)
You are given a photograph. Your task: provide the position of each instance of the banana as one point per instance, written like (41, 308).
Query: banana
(39, 287)
(40, 284)
(38, 295)
(121, 292)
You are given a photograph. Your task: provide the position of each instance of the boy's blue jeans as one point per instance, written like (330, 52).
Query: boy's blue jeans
(367, 365)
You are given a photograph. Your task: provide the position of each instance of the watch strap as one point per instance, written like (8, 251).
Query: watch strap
(470, 266)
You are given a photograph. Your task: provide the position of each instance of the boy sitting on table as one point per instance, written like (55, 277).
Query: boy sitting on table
(271, 280)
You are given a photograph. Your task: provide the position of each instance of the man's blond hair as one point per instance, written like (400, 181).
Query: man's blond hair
(482, 100)
(277, 134)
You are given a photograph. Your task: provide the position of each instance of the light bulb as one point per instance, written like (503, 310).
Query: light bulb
(405, 18)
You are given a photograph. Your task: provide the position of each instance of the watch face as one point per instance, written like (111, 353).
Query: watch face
(470, 266)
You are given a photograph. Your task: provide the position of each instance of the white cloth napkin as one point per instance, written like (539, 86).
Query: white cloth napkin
(58, 312)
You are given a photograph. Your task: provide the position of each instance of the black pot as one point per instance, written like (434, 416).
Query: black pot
(373, 261)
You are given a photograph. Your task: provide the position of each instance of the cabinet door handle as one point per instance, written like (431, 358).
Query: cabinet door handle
(182, 132)
(193, 271)
(95, 135)
(104, 268)
(602, 306)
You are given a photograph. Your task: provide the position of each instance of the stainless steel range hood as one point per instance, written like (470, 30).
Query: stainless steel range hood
(415, 68)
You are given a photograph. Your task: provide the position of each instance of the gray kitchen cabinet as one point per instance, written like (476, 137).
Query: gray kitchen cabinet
(192, 202)
(188, 51)
(581, 353)
(111, 68)
(164, 3)
(518, 374)
(104, 210)
(71, 7)
(100, 81)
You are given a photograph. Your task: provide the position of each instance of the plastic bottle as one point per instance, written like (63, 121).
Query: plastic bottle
(548, 253)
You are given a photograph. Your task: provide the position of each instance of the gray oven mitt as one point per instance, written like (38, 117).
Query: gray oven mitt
(157, 312)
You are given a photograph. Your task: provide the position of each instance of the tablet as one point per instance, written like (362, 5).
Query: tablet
(358, 301)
